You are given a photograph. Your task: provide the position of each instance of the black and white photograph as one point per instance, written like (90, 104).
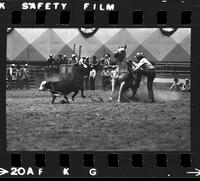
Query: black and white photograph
(98, 89)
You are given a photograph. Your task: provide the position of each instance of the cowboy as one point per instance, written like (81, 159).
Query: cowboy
(18, 76)
(87, 61)
(176, 85)
(102, 61)
(73, 59)
(107, 59)
(51, 60)
(186, 87)
(94, 61)
(92, 78)
(143, 67)
(65, 61)
(105, 77)
(86, 64)
(59, 61)
(11, 75)
(82, 60)
(25, 75)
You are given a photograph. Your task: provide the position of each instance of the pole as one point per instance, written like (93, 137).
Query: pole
(28, 56)
(74, 48)
(79, 55)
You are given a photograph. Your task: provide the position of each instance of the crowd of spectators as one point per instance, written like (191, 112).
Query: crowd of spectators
(52, 62)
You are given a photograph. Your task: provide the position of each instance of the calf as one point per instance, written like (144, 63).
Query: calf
(63, 87)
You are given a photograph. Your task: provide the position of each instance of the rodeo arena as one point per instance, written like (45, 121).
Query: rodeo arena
(78, 89)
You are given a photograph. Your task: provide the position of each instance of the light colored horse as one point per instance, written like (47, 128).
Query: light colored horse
(121, 74)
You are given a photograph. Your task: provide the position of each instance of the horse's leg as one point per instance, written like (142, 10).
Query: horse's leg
(113, 88)
(120, 91)
(75, 93)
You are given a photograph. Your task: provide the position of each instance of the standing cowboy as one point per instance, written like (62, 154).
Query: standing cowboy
(86, 64)
(18, 76)
(51, 61)
(144, 67)
(105, 78)
(107, 59)
(82, 60)
(25, 75)
(59, 61)
(65, 61)
(11, 75)
(73, 59)
(92, 78)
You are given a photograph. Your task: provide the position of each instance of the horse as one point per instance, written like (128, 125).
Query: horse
(122, 74)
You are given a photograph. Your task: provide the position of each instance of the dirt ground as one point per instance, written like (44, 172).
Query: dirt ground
(34, 124)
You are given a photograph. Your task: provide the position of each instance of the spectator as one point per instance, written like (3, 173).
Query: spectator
(102, 61)
(18, 76)
(82, 60)
(176, 85)
(94, 61)
(65, 61)
(105, 78)
(25, 76)
(59, 61)
(186, 87)
(87, 61)
(11, 75)
(107, 59)
(51, 61)
(73, 59)
(92, 78)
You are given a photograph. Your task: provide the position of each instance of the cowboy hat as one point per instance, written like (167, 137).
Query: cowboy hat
(26, 65)
(73, 55)
(13, 65)
(138, 54)
(51, 55)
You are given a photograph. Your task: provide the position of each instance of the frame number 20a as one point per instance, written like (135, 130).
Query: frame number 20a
(20, 171)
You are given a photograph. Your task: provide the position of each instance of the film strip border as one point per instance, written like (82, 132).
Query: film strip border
(99, 165)
(100, 13)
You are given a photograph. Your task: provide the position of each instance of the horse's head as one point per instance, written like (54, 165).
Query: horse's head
(120, 54)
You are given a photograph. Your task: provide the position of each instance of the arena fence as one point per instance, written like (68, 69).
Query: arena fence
(38, 73)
